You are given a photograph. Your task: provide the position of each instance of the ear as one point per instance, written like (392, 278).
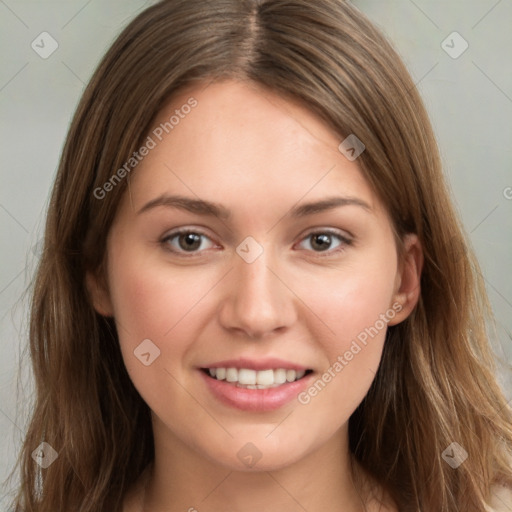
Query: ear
(99, 294)
(408, 279)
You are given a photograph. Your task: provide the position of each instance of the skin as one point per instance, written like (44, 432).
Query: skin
(259, 155)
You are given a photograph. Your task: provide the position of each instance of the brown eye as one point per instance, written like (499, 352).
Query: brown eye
(321, 241)
(189, 241)
(186, 241)
(326, 241)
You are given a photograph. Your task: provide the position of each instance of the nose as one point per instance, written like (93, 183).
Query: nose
(257, 301)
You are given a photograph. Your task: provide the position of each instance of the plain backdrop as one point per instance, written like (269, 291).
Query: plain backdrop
(468, 92)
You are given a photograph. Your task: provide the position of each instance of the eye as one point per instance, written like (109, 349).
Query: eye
(329, 241)
(186, 240)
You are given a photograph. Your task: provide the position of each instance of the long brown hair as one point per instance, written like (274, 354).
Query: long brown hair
(436, 382)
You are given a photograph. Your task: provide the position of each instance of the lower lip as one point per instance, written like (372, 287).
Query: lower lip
(257, 400)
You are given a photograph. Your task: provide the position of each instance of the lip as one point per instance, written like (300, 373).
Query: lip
(260, 364)
(255, 400)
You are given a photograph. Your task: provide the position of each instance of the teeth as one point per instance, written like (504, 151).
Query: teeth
(247, 377)
(265, 378)
(290, 375)
(280, 376)
(252, 379)
(231, 374)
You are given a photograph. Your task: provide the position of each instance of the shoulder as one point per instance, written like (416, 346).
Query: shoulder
(500, 500)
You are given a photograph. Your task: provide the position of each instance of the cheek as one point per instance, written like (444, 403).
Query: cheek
(356, 307)
(150, 302)
(352, 299)
(149, 295)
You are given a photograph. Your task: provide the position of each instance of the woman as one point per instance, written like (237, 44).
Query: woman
(254, 291)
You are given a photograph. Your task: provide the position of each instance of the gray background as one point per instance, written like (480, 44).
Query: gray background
(469, 99)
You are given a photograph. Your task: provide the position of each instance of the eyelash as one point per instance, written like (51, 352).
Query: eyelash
(321, 254)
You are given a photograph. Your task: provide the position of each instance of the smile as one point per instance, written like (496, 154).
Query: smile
(251, 390)
(253, 379)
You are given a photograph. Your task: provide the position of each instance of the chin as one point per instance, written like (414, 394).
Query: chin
(248, 456)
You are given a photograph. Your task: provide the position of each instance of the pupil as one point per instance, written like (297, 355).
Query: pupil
(321, 241)
(192, 241)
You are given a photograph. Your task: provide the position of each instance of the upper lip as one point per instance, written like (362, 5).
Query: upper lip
(259, 364)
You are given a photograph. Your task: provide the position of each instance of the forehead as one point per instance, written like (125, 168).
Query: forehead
(240, 141)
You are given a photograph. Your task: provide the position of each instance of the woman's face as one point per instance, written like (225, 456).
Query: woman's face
(286, 261)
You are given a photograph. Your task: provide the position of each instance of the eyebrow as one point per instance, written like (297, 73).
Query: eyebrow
(328, 204)
(202, 207)
(198, 206)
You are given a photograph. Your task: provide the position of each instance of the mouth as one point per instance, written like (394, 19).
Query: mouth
(249, 378)
(255, 385)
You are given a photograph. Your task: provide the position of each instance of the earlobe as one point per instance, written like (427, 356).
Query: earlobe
(408, 289)
(99, 295)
